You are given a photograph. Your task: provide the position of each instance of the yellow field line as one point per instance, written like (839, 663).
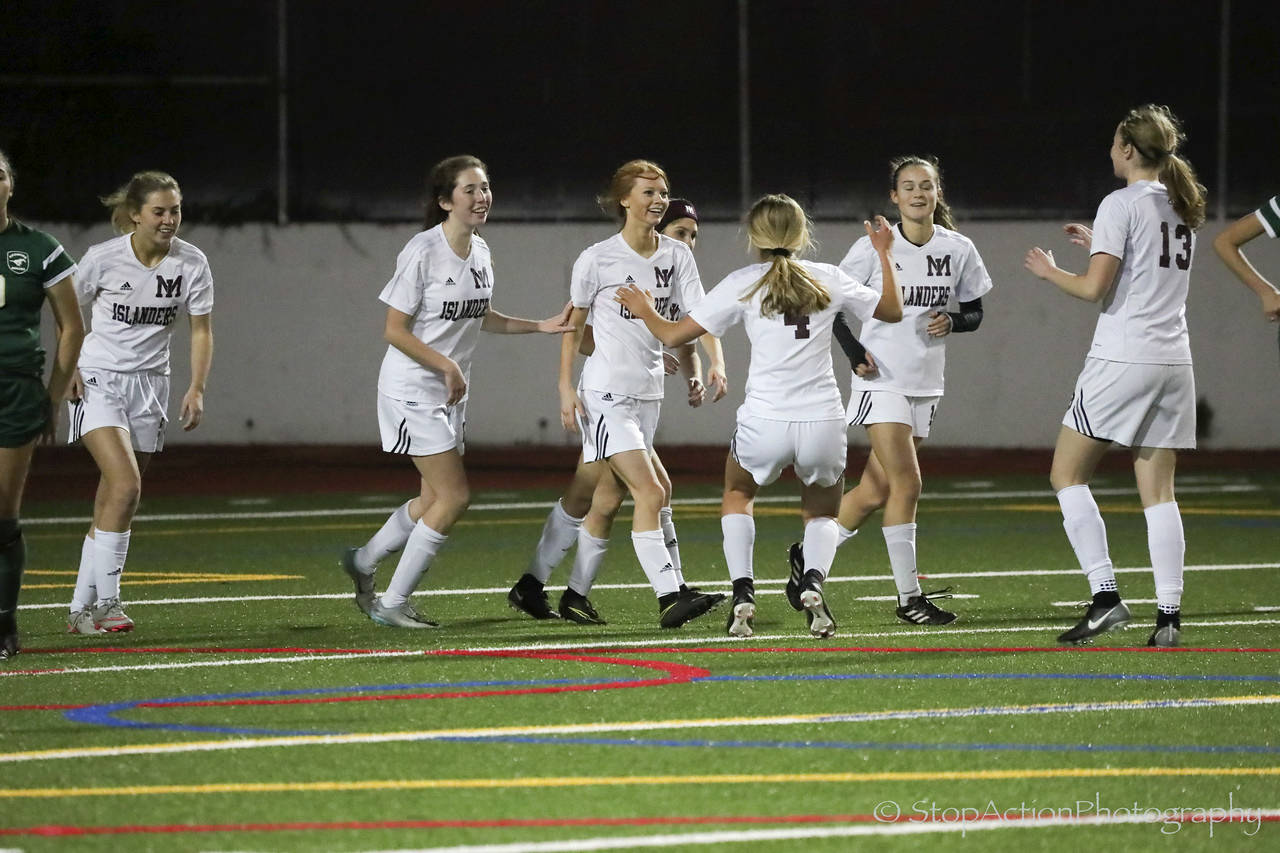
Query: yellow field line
(589, 781)
(176, 578)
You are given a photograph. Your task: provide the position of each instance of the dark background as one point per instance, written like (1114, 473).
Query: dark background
(1019, 99)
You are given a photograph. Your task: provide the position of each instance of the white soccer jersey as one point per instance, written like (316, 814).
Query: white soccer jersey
(448, 297)
(134, 306)
(1144, 315)
(628, 359)
(945, 269)
(790, 377)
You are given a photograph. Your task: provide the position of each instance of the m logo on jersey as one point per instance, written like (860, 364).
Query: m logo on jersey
(662, 278)
(18, 262)
(939, 266)
(481, 277)
(168, 286)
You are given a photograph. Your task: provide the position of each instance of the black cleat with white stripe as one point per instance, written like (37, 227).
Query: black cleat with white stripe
(919, 610)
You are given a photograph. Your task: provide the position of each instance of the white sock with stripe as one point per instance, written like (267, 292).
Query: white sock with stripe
(821, 538)
(651, 551)
(86, 594)
(110, 550)
(673, 544)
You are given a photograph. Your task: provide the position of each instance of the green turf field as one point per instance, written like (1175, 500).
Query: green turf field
(255, 709)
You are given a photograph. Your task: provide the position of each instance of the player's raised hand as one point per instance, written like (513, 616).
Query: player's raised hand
(638, 302)
(1081, 235)
(1040, 262)
(881, 236)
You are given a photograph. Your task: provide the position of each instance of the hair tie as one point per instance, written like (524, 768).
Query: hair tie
(782, 253)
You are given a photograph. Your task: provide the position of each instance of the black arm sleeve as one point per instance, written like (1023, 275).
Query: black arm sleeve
(853, 348)
(968, 318)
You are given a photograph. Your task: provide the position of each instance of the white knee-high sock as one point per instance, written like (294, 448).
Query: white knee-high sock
(651, 551)
(110, 550)
(86, 594)
(673, 544)
(845, 534)
(559, 533)
(390, 538)
(1168, 548)
(422, 547)
(1088, 536)
(821, 538)
(900, 539)
(739, 532)
(587, 562)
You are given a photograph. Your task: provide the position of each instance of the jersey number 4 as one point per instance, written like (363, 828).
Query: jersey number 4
(800, 321)
(1183, 233)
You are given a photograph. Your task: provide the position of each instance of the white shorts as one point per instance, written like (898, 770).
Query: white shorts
(817, 449)
(615, 424)
(421, 429)
(135, 402)
(1137, 405)
(890, 407)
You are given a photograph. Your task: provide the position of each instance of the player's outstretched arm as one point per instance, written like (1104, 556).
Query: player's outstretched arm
(497, 323)
(1228, 246)
(640, 304)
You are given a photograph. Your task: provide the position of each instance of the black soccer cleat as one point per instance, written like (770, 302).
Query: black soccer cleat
(919, 610)
(816, 613)
(795, 557)
(1098, 619)
(1168, 633)
(742, 613)
(529, 596)
(677, 608)
(9, 645)
(577, 608)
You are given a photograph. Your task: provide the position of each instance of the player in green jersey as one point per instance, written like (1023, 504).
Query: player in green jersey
(33, 267)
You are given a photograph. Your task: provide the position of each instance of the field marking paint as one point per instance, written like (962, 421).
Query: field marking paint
(964, 826)
(644, 725)
(145, 578)
(673, 642)
(438, 593)
(519, 505)
(668, 779)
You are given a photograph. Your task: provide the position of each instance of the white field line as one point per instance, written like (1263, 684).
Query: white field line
(759, 582)
(1249, 819)
(502, 506)
(1037, 709)
(793, 639)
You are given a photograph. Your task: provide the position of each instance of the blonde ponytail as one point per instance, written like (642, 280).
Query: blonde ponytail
(1156, 134)
(777, 227)
(129, 199)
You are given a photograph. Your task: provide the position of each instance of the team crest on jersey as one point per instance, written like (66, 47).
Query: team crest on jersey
(19, 262)
(939, 266)
(482, 278)
(663, 277)
(169, 287)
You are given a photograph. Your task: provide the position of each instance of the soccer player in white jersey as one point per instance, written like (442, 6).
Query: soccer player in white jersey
(936, 266)
(792, 414)
(137, 285)
(34, 269)
(617, 409)
(438, 301)
(584, 514)
(1228, 245)
(1137, 388)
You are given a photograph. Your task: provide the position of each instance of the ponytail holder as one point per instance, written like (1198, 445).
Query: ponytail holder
(781, 253)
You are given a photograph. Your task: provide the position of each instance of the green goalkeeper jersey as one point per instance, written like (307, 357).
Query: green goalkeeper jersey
(30, 262)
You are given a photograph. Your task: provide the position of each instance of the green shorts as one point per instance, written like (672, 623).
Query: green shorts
(24, 409)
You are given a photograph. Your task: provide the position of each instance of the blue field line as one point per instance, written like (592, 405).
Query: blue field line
(105, 714)
(1245, 749)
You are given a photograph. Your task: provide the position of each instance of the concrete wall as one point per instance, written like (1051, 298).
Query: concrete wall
(298, 337)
